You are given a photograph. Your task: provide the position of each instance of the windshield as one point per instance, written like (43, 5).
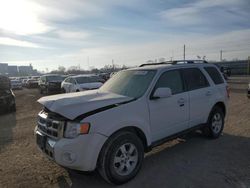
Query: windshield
(131, 83)
(54, 78)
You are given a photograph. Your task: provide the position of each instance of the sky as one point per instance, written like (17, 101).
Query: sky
(93, 33)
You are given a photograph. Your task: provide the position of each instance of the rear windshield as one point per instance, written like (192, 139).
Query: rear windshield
(215, 75)
(54, 78)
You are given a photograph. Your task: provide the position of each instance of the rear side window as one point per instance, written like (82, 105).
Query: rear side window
(194, 79)
(171, 79)
(214, 74)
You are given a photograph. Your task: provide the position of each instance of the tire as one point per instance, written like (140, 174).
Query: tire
(63, 90)
(41, 91)
(119, 172)
(215, 123)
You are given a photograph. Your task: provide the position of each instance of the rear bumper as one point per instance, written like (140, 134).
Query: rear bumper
(80, 153)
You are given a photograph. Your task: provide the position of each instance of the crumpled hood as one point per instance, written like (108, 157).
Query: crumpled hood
(72, 105)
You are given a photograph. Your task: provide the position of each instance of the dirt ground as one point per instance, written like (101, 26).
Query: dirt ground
(190, 162)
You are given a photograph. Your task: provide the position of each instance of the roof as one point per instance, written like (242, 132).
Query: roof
(83, 75)
(171, 64)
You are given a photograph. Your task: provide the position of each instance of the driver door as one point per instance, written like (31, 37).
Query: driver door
(169, 115)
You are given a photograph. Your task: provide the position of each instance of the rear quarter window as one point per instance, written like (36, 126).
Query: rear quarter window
(194, 79)
(214, 75)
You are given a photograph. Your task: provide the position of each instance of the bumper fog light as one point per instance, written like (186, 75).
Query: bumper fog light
(69, 157)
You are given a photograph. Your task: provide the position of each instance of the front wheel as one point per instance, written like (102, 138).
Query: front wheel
(215, 123)
(121, 158)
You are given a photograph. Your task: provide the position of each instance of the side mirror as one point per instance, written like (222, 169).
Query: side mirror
(163, 92)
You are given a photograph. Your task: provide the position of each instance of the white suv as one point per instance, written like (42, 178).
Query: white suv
(111, 128)
(81, 83)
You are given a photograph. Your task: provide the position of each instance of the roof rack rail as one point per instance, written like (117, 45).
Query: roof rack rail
(175, 62)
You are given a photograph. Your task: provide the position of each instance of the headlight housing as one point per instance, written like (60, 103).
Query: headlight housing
(73, 129)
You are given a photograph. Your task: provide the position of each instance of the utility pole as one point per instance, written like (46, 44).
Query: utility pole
(221, 56)
(248, 65)
(184, 52)
(113, 65)
(88, 61)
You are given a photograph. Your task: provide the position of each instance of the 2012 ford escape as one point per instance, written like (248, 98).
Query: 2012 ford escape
(111, 128)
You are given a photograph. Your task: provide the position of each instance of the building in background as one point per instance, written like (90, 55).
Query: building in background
(3, 68)
(25, 70)
(12, 70)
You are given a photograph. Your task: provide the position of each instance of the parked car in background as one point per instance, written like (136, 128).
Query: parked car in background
(50, 83)
(112, 74)
(248, 91)
(109, 129)
(24, 82)
(35, 77)
(16, 84)
(32, 83)
(104, 76)
(7, 97)
(81, 83)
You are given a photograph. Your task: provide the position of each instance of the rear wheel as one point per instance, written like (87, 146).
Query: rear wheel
(121, 158)
(47, 91)
(215, 123)
(63, 90)
(41, 91)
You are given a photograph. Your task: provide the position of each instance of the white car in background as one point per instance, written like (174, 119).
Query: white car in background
(81, 83)
(16, 84)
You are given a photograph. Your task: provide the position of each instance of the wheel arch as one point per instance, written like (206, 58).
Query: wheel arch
(221, 105)
(139, 132)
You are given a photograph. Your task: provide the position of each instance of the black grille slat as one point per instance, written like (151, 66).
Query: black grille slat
(49, 126)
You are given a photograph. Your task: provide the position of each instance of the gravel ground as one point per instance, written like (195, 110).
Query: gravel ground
(192, 161)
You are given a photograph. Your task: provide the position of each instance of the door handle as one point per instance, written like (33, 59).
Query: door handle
(181, 101)
(208, 93)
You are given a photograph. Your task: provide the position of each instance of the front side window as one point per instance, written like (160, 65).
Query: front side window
(131, 83)
(94, 79)
(171, 79)
(214, 74)
(72, 80)
(67, 80)
(194, 79)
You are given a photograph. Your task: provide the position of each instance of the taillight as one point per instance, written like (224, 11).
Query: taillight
(228, 91)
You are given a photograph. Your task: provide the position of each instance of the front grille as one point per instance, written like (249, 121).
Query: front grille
(50, 127)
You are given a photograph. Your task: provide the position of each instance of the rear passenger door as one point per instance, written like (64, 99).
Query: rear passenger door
(72, 85)
(66, 85)
(200, 95)
(169, 115)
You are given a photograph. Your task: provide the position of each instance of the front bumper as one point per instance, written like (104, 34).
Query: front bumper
(80, 153)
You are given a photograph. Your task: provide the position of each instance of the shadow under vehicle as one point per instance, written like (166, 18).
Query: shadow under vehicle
(7, 97)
